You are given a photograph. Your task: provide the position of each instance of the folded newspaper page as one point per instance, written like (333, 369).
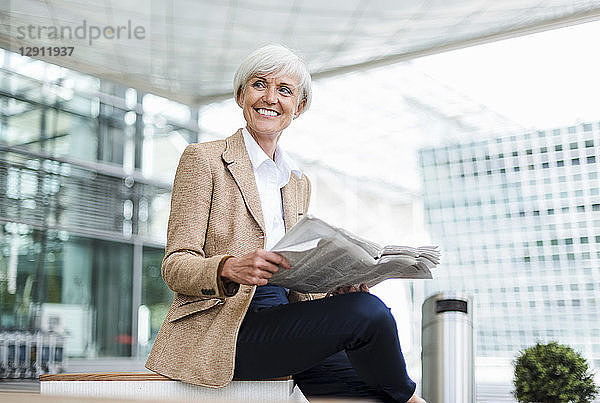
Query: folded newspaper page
(324, 257)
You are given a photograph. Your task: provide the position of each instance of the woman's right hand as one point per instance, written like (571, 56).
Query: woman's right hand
(255, 268)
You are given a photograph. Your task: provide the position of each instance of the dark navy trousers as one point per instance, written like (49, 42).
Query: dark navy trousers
(342, 346)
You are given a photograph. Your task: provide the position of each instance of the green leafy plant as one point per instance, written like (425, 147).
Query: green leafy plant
(553, 373)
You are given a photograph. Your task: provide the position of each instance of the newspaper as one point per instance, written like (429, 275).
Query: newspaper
(324, 257)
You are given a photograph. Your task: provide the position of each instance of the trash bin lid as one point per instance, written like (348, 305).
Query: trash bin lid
(451, 305)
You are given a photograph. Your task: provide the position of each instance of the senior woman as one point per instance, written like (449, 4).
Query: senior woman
(232, 200)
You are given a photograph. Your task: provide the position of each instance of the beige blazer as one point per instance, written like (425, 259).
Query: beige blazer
(215, 213)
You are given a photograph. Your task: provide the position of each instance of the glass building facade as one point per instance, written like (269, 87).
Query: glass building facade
(82, 218)
(518, 219)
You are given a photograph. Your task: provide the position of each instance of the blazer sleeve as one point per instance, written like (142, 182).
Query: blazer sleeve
(185, 268)
(306, 194)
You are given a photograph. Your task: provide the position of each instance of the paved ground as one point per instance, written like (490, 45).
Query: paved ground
(22, 391)
(487, 392)
(10, 386)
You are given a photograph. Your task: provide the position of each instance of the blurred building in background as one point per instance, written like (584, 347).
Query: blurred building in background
(82, 230)
(518, 219)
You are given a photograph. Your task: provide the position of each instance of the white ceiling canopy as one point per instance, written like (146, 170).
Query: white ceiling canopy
(188, 50)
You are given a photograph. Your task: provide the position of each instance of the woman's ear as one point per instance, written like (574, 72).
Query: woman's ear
(300, 107)
(240, 97)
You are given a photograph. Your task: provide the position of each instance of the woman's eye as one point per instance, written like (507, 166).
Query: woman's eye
(285, 91)
(259, 84)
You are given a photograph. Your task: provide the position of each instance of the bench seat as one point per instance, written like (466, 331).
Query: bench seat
(157, 387)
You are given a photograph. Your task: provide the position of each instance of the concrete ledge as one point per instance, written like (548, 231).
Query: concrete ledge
(131, 386)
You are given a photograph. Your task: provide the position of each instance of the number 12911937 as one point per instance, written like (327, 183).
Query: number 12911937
(33, 51)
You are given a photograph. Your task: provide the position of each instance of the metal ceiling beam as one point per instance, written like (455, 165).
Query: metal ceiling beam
(562, 22)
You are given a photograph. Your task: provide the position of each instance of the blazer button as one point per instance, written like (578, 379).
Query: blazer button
(247, 291)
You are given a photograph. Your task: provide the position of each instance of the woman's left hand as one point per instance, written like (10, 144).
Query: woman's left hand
(350, 288)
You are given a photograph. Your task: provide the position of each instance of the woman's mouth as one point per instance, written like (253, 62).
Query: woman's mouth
(266, 112)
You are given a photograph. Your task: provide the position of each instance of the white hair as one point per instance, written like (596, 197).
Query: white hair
(274, 59)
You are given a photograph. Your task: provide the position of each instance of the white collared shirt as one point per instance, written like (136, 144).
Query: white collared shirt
(270, 177)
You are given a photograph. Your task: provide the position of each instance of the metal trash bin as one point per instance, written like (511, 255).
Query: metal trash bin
(447, 355)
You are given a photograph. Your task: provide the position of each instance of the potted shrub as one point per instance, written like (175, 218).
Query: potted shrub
(553, 373)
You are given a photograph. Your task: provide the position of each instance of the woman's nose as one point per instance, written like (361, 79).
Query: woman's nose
(270, 95)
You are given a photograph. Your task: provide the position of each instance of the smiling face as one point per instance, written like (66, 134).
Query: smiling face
(270, 103)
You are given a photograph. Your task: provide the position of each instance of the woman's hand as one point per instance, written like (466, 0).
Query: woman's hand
(255, 268)
(350, 288)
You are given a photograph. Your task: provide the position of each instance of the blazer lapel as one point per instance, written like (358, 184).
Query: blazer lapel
(289, 198)
(238, 163)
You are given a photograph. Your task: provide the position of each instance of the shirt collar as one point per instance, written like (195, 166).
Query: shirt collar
(258, 156)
